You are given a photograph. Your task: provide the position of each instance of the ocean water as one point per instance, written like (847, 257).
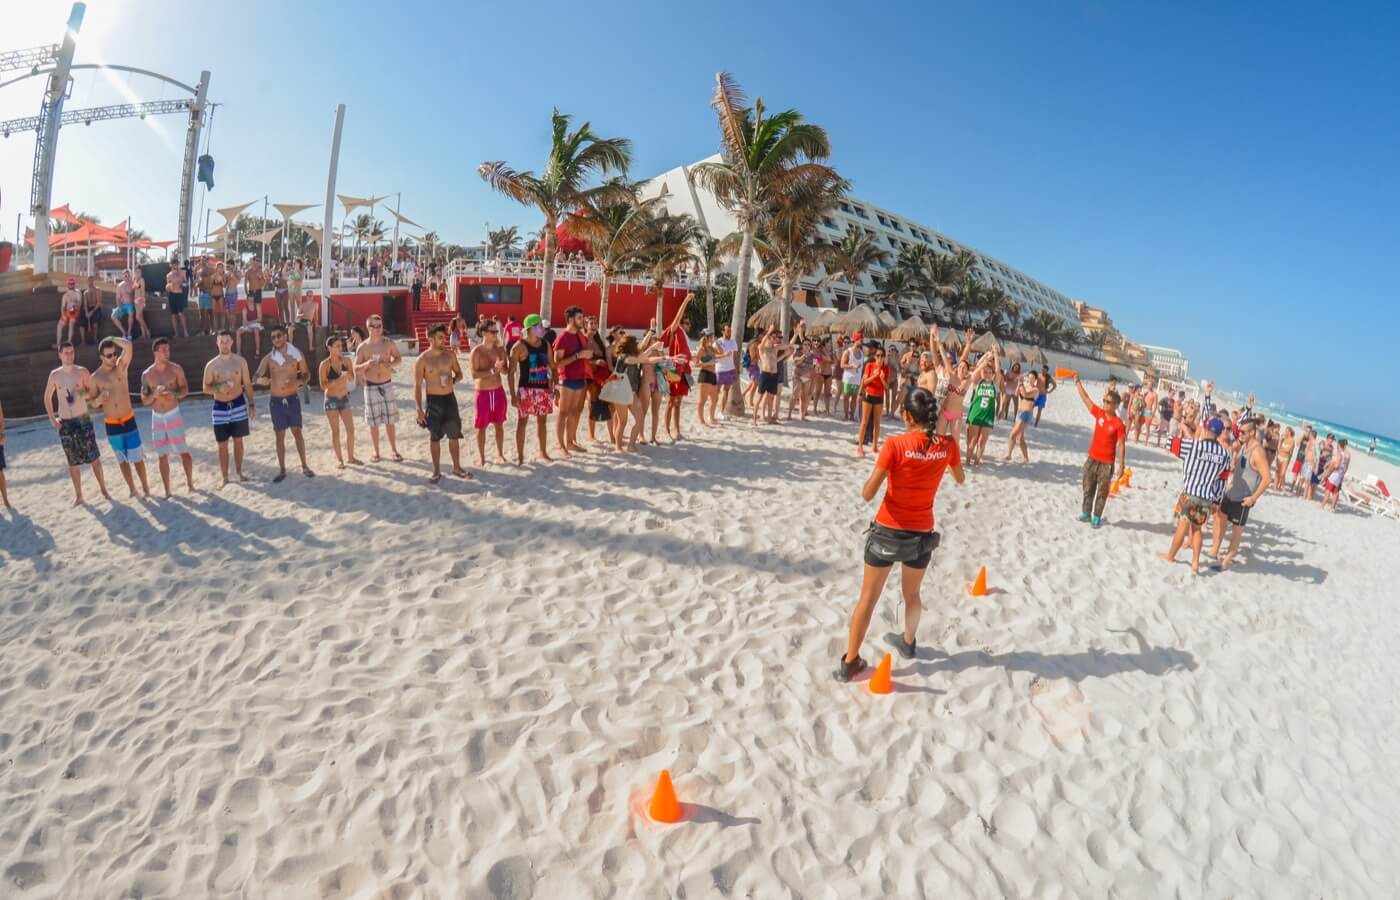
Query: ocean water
(1358, 440)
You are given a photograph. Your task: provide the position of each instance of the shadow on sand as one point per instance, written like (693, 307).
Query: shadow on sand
(1148, 659)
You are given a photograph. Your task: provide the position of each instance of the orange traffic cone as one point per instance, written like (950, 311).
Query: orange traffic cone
(880, 682)
(664, 806)
(979, 586)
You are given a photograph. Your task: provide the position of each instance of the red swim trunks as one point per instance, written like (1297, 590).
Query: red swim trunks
(491, 407)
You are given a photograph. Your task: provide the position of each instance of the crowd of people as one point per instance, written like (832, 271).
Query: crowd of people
(630, 388)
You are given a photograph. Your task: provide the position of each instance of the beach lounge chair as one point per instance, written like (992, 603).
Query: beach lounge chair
(1378, 495)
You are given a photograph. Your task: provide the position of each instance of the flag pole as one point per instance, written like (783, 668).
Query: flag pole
(329, 216)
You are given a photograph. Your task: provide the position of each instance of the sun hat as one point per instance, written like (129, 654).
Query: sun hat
(531, 320)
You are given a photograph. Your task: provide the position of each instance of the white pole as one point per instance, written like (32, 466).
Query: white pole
(394, 256)
(329, 215)
(264, 224)
(47, 149)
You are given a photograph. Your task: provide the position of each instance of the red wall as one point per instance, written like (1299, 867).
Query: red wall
(629, 305)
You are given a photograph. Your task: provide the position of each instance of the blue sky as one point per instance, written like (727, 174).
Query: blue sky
(1222, 180)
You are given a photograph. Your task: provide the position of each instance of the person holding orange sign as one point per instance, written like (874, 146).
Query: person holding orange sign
(1107, 453)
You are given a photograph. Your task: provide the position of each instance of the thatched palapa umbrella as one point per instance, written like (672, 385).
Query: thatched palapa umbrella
(864, 319)
(912, 329)
(770, 315)
(823, 322)
(986, 341)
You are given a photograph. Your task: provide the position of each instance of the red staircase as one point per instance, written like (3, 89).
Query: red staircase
(434, 310)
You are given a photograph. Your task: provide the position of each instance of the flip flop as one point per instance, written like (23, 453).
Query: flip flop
(434, 478)
(279, 478)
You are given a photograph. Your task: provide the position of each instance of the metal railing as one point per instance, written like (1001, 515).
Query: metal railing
(563, 271)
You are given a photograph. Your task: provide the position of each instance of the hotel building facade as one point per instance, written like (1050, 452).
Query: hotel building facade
(892, 232)
(1168, 362)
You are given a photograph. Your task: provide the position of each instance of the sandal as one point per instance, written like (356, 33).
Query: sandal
(845, 671)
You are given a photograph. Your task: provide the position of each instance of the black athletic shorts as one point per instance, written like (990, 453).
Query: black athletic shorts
(178, 301)
(768, 382)
(444, 419)
(874, 399)
(886, 546)
(707, 377)
(1235, 511)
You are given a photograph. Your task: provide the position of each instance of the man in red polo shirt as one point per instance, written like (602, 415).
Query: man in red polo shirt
(1107, 453)
(571, 355)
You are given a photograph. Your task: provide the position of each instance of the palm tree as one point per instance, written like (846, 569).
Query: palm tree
(790, 247)
(856, 254)
(574, 157)
(917, 263)
(895, 285)
(710, 253)
(666, 247)
(617, 226)
(1000, 311)
(1048, 330)
(502, 240)
(762, 156)
(1097, 341)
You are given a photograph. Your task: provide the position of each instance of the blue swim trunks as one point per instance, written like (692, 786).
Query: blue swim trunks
(125, 439)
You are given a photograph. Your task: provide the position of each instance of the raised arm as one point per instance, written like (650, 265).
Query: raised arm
(1083, 394)
(680, 312)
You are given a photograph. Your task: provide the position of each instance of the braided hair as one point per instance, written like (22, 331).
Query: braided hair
(921, 406)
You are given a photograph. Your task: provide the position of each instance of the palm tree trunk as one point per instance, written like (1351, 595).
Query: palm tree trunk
(785, 298)
(603, 303)
(547, 288)
(660, 307)
(709, 303)
(741, 312)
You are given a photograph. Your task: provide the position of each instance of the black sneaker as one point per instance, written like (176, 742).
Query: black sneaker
(845, 671)
(907, 649)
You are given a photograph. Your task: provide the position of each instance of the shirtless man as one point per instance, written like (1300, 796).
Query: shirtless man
(771, 351)
(488, 364)
(436, 373)
(163, 386)
(70, 307)
(255, 279)
(65, 399)
(532, 389)
(124, 313)
(177, 296)
(1143, 415)
(113, 397)
(203, 303)
(375, 361)
(308, 309)
(232, 278)
(1047, 387)
(226, 379)
(285, 371)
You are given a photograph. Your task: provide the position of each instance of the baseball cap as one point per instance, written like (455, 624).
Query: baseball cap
(531, 320)
(858, 336)
(1215, 425)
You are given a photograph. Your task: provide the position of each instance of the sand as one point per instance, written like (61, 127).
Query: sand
(362, 685)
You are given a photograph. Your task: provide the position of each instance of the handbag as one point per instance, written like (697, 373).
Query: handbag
(900, 547)
(618, 390)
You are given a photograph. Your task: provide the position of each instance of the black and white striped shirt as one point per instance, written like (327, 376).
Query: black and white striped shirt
(1203, 461)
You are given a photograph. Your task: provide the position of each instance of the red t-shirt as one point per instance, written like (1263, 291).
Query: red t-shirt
(1108, 431)
(915, 466)
(567, 344)
(881, 374)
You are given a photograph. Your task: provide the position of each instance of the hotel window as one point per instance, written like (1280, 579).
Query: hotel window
(883, 221)
(829, 222)
(845, 207)
(895, 226)
(860, 212)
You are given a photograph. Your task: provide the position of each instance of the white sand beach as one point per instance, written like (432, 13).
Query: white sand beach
(362, 685)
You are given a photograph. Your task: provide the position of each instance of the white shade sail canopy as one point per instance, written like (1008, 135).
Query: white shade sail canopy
(290, 209)
(232, 212)
(353, 203)
(266, 236)
(404, 219)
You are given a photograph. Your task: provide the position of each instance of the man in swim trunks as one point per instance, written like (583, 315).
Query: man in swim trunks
(375, 361)
(1047, 387)
(285, 371)
(113, 396)
(255, 280)
(176, 296)
(771, 352)
(1166, 410)
(531, 380)
(124, 314)
(226, 379)
(488, 363)
(163, 386)
(436, 373)
(1248, 480)
(65, 399)
(70, 306)
(232, 278)
(571, 354)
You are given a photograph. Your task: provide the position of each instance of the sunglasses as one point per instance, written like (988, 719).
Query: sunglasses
(109, 356)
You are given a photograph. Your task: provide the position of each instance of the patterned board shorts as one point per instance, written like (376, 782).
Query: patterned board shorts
(379, 404)
(536, 401)
(79, 440)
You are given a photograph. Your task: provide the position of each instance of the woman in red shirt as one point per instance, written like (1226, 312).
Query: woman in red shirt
(902, 531)
(873, 382)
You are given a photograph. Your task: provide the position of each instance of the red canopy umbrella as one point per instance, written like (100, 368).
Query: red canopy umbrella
(564, 242)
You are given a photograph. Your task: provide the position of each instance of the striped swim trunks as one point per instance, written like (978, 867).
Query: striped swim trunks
(168, 433)
(230, 418)
(125, 439)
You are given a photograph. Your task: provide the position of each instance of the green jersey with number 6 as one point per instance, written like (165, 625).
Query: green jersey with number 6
(982, 408)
